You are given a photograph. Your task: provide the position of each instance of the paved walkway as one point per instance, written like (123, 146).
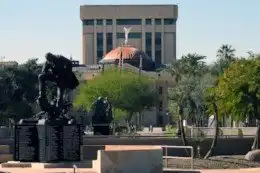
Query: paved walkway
(249, 170)
(53, 170)
(88, 170)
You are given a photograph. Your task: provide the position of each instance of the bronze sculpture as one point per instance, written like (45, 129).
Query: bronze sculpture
(102, 117)
(57, 69)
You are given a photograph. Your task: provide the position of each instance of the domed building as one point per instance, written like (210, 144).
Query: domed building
(129, 55)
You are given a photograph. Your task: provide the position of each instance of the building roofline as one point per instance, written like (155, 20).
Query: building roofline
(117, 5)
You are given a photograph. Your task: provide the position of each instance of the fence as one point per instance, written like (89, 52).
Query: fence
(166, 157)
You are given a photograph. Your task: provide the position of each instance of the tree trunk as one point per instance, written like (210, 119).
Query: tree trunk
(183, 135)
(214, 142)
(256, 139)
(255, 145)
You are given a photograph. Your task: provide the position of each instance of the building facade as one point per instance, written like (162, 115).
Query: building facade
(153, 30)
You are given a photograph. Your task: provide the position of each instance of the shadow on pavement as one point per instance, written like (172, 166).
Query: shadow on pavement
(180, 171)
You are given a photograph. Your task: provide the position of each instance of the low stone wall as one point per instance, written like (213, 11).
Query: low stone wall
(224, 131)
(129, 159)
(225, 146)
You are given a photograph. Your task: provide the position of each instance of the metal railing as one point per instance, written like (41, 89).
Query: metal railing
(166, 157)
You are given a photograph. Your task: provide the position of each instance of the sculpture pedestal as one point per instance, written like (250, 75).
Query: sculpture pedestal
(59, 141)
(26, 145)
(47, 141)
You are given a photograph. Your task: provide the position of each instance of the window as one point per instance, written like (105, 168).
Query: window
(160, 106)
(169, 21)
(99, 55)
(99, 21)
(128, 21)
(158, 21)
(160, 90)
(148, 36)
(130, 35)
(148, 21)
(158, 57)
(88, 22)
(99, 46)
(99, 41)
(148, 43)
(109, 22)
(158, 38)
(109, 41)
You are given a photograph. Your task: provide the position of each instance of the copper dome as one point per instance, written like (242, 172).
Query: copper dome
(130, 55)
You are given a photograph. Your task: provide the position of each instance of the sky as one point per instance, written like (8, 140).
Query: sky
(30, 28)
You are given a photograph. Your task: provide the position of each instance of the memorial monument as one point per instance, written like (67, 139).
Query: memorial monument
(102, 117)
(51, 135)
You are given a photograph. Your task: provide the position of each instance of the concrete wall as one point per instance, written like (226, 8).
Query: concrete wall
(225, 146)
(129, 159)
(224, 131)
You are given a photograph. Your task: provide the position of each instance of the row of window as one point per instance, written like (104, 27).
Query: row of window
(167, 21)
(134, 35)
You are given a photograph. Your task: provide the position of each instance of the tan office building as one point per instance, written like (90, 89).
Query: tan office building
(153, 30)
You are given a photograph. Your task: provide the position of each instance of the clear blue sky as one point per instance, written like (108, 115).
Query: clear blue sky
(30, 28)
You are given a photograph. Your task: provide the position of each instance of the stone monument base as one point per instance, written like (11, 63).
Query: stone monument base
(38, 165)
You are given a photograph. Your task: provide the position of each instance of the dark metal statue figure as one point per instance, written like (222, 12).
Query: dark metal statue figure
(102, 117)
(56, 69)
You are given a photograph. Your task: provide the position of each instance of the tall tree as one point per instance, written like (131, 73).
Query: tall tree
(226, 52)
(225, 55)
(239, 89)
(187, 94)
(211, 102)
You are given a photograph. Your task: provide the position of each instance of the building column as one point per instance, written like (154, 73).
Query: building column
(175, 47)
(84, 57)
(153, 39)
(95, 42)
(114, 34)
(104, 37)
(143, 36)
(162, 41)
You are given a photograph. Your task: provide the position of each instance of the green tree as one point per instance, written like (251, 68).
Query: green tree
(188, 92)
(127, 91)
(211, 103)
(239, 91)
(24, 77)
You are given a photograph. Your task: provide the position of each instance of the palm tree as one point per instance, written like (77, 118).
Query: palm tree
(212, 99)
(187, 71)
(193, 64)
(226, 52)
(225, 55)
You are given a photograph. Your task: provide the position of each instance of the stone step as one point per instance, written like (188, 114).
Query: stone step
(5, 149)
(17, 164)
(5, 157)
